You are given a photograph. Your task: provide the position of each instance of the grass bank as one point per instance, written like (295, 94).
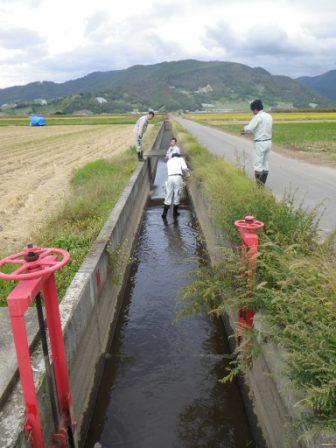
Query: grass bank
(295, 290)
(95, 188)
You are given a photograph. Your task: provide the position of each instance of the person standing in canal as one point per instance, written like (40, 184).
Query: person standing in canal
(177, 168)
(173, 149)
(261, 128)
(139, 130)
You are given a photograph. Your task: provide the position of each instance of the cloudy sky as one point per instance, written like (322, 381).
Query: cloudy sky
(63, 39)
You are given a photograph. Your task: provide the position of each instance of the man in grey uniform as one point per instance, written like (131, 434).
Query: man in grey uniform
(139, 130)
(261, 128)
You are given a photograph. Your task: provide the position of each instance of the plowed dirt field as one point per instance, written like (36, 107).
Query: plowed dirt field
(35, 169)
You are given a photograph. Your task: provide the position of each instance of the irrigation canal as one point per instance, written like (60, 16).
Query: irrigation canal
(160, 386)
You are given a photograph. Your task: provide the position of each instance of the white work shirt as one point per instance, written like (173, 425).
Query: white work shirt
(176, 166)
(260, 126)
(141, 126)
(172, 150)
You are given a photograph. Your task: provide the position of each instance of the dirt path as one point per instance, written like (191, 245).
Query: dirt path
(36, 166)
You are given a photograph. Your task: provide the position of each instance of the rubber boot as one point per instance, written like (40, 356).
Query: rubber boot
(257, 176)
(140, 156)
(175, 211)
(263, 177)
(165, 211)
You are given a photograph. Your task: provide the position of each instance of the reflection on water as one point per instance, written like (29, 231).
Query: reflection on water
(160, 385)
(158, 189)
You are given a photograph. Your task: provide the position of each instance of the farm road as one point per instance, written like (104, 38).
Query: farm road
(312, 185)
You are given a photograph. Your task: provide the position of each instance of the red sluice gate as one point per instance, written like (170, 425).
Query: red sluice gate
(248, 228)
(35, 274)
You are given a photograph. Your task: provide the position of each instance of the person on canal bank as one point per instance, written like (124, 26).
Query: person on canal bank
(173, 149)
(261, 128)
(139, 130)
(177, 168)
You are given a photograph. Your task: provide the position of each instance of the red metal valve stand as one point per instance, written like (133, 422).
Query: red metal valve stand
(36, 272)
(249, 248)
(18, 301)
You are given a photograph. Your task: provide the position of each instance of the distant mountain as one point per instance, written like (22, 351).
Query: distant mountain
(187, 84)
(322, 84)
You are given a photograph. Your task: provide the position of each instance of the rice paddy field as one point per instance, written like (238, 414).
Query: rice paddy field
(59, 183)
(37, 164)
(278, 116)
(57, 120)
(310, 135)
(36, 167)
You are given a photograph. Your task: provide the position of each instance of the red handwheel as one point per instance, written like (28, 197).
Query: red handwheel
(34, 262)
(249, 224)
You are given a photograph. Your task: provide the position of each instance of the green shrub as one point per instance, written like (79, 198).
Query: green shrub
(295, 288)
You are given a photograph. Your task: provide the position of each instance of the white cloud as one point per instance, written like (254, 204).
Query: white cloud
(96, 25)
(44, 39)
(19, 38)
(33, 3)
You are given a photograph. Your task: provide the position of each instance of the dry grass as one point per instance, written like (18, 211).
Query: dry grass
(37, 164)
(92, 191)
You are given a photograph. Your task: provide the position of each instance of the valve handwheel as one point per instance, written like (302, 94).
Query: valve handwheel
(249, 223)
(34, 262)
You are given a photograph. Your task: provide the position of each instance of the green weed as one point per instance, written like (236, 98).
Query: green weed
(295, 289)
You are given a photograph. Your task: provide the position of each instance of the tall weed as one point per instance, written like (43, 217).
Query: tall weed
(295, 290)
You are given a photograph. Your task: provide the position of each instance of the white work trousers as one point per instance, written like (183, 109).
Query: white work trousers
(174, 187)
(260, 155)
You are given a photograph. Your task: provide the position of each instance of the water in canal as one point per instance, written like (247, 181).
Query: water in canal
(160, 385)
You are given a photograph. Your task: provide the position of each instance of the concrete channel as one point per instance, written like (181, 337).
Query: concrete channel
(138, 377)
(160, 385)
